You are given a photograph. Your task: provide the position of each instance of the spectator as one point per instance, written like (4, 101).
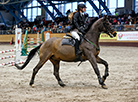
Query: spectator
(119, 20)
(34, 28)
(130, 21)
(137, 22)
(127, 21)
(133, 13)
(122, 21)
(114, 21)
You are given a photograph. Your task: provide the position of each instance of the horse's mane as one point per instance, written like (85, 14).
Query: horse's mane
(91, 23)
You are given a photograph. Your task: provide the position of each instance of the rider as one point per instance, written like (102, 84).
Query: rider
(78, 25)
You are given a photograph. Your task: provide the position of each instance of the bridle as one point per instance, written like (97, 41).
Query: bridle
(109, 30)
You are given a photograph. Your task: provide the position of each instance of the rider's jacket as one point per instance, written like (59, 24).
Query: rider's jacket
(78, 22)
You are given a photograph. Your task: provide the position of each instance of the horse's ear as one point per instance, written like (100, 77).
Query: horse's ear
(104, 17)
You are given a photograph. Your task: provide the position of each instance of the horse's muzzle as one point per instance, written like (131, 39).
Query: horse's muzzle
(114, 33)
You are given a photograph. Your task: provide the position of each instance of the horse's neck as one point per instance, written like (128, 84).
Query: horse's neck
(93, 34)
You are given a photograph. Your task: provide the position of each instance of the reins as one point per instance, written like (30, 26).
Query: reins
(97, 48)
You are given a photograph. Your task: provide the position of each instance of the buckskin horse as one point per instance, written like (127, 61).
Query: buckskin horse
(54, 51)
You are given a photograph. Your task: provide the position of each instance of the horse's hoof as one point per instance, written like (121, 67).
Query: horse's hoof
(104, 87)
(61, 84)
(32, 85)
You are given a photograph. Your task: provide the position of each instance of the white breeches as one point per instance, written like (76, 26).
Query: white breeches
(75, 34)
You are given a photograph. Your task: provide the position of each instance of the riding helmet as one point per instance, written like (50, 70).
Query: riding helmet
(81, 6)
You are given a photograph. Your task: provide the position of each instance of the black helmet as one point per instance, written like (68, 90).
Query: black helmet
(81, 6)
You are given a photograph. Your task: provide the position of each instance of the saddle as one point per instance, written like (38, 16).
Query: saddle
(69, 40)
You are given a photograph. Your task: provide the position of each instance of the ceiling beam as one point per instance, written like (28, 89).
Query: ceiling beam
(46, 9)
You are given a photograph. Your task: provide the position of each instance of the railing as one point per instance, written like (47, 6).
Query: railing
(133, 27)
(7, 32)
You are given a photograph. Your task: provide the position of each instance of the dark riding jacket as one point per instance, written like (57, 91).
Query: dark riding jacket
(78, 22)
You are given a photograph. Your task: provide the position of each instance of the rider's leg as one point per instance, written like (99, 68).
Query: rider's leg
(77, 38)
(77, 49)
(75, 34)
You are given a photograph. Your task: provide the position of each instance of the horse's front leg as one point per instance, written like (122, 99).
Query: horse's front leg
(93, 62)
(101, 61)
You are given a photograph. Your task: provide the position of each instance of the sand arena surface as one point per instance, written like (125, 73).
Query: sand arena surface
(81, 82)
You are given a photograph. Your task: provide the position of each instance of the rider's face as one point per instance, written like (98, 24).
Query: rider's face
(83, 9)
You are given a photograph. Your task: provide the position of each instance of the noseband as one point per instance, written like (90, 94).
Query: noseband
(109, 30)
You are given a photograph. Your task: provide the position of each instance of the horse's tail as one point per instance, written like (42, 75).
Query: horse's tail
(29, 57)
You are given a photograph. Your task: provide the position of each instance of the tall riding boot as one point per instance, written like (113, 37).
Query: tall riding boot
(77, 50)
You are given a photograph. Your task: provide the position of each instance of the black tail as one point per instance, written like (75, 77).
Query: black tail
(29, 57)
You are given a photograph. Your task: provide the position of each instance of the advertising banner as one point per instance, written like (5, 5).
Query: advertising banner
(106, 36)
(127, 36)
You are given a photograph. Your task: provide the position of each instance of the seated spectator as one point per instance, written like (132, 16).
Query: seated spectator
(114, 21)
(110, 20)
(119, 27)
(131, 21)
(127, 21)
(129, 16)
(119, 20)
(133, 13)
(67, 27)
(48, 28)
(122, 21)
(34, 29)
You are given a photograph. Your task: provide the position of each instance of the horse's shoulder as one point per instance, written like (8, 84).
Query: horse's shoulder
(54, 38)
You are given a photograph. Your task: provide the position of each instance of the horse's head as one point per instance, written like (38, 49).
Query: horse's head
(107, 28)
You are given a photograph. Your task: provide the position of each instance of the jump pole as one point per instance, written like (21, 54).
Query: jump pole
(18, 33)
(17, 50)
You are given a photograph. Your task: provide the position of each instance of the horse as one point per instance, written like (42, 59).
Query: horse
(53, 50)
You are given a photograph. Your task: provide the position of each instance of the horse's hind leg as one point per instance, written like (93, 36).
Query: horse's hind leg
(101, 61)
(56, 72)
(42, 61)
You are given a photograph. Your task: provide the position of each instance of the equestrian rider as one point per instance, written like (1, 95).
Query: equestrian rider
(78, 25)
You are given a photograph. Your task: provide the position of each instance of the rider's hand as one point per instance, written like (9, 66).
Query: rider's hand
(82, 31)
(86, 15)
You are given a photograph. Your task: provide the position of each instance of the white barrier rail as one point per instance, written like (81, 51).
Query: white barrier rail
(6, 57)
(21, 62)
(17, 54)
(6, 51)
(12, 63)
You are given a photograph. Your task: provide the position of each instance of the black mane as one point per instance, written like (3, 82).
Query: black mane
(91, 23)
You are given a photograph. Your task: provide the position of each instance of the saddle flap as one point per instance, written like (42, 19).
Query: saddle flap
(68, 41)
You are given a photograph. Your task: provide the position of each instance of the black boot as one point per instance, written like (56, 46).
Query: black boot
(77, 49)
